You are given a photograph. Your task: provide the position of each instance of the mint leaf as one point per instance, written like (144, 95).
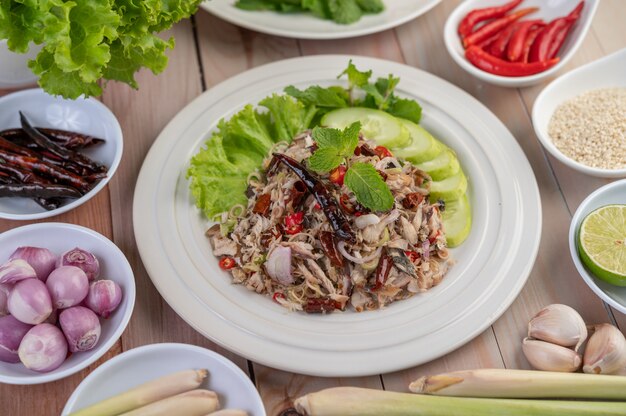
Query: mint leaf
(356, 77)
(350, 138)
(326, 137)
(325, 159)
(405, 108)
(368, 187)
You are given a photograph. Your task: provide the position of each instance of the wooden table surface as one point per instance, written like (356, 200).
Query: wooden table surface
(209, 51)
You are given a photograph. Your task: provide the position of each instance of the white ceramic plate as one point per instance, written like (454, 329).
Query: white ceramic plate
(143, 364)
(305, 26)
(548, 10)
(613, 193)
(58, 238)
(87, 116)
(606, 72)
(493, 263)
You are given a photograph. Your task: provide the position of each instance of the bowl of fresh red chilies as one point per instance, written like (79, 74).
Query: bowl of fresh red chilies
(55, 154)
(516, 43)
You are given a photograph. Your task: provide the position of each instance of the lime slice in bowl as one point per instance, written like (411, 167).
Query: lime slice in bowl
(602, 243)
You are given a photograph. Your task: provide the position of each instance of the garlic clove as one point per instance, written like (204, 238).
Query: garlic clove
(606, 351)
(550, 357)
(558, 324)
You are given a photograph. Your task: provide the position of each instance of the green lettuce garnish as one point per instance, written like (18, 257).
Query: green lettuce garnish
(340, 11)
(86, 41)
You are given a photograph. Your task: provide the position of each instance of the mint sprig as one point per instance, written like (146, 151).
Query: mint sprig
(369, 187)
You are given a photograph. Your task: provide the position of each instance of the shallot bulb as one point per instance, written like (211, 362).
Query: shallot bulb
(81, 328)
(43, 348)
(11, 333)
(15, 270)
(82, 259)
(42, 260)
(4, 298)
(104, 296)
(29, 301)
(68, 286)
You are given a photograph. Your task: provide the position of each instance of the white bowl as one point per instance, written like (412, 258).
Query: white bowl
(548, 10)
(606, 72)
(14, 71)
(59, 237)
(613, 193)
(88, 116)
(143, 364)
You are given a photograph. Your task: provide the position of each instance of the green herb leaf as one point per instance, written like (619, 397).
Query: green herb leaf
(332, 97)
(326, 137)
(356, 77)
(369, 187)
(344, 11)
(404, 108)
(325, 159)
(371, 6)
(333, 146)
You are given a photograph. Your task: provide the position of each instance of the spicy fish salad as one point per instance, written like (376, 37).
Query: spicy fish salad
(318, 238)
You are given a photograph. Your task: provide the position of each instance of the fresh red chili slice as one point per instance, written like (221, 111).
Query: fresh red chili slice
(412, 255)
(480, 15)
(382, 152)
(345, 203)
(515, 48)
(496, 26)
(278, 295)
(293, 223)
(227, 263)
(338, 174)
(493, 65)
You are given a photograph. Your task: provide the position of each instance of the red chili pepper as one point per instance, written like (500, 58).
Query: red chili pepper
(498, 47)
(480, 15)
(432, 239)
(530, 38)
(358, 214)
(227, 263)
(488, 42)
(382, 152)
(493, 65)
(496, 26)
(318, 206)
(262, 204)
(338, 174)
(516, 44)
(549, 41)
(345, 203)
(412, 255)
(293, 223)
(560, 37)
(277, 295)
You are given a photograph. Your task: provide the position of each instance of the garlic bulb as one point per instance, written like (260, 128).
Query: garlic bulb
(558, 324)
(606, 351)
(550, 357)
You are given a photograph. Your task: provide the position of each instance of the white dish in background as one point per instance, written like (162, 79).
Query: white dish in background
(306, 26)
(87, 116)
(14, 71)
(493, 264)
(605, 72)
(58, 238)
(548, 10)
(613, 193)
(143, 364)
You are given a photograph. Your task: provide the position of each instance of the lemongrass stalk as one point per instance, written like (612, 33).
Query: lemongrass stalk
(354, 401)
(522, 384)
(147, 393)
(191, 403)
(229, 412)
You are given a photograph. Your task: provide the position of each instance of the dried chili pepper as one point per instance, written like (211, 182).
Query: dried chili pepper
(337, 175)
(480, 15)
(329, 245)
(382, 270)
(316, 305)
(493, 65)
(335, 217)
(412, 200)
(515, 47)
(496, 26)
(46, 203)
(364, 149)
(36, 190)
(382, 152)
(68, 139)
(262, 204)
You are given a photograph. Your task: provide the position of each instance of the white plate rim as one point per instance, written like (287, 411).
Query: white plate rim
(119, 143)
(349, 32)
(162, 346)
(283, 358)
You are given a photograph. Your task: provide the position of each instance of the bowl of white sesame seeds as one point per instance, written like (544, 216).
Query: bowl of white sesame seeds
(580, 118)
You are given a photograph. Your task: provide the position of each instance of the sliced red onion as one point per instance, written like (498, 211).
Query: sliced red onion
(15, 270)
(29, 301)
(68, 286)
(4, 299)
(341, 246)
(82, 259)
(426, 250)
(81, 328)
(40, 259)
(43, 348)
(11, 333)
(278, 265)
(365, 220)
(104, 296)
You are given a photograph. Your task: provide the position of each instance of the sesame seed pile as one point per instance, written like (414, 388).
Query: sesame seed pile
(591, 128)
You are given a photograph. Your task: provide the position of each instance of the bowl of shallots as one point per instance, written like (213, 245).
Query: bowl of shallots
(66, 296)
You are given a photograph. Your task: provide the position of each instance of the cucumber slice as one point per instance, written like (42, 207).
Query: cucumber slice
(422, 145)
(449, 188)
(457, 220)
(443, 166)
(383, 128)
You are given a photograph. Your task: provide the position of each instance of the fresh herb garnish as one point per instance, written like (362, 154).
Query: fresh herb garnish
(334, 147)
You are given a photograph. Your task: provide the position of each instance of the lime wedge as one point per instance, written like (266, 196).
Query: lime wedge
(602, 243)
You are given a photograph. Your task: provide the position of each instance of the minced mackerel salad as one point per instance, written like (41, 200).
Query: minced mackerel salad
(334, 222)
